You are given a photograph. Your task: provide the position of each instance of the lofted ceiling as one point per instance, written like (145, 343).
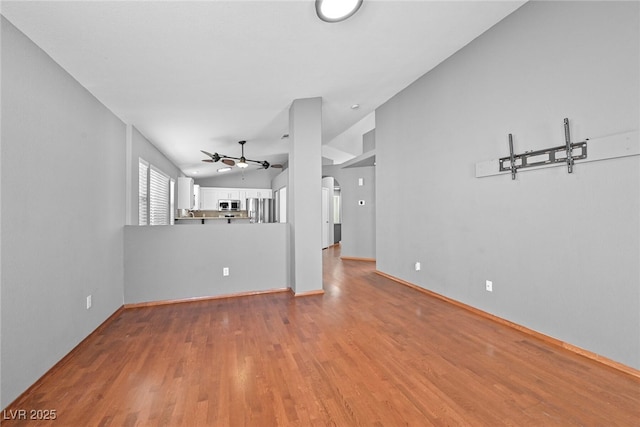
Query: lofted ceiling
(202, 75)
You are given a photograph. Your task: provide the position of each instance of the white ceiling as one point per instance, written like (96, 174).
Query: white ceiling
(194, 75)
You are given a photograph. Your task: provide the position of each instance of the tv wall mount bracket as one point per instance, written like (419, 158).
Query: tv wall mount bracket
(567, 153)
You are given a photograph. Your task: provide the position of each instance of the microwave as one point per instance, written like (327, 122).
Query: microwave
(228, 205)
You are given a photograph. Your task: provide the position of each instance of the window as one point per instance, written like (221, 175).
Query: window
(154, 197)
(158, 197)
(143, 192)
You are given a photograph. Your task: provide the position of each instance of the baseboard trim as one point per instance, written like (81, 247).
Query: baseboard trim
(546, 338)
(65, 359)
(306, 294)
(205, 298)
(355, 258)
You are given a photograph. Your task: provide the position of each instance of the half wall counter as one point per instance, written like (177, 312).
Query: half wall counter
(168, 263)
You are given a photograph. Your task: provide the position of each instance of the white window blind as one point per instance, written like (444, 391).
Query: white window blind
(172, 200)
(143, 191)
(158, 197)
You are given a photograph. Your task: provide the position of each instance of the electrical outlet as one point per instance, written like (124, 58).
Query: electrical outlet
(489, 286)
(417, 266)
(88, 302)
(225, 271)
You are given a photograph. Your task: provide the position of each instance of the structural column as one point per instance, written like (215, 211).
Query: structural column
(305, 195)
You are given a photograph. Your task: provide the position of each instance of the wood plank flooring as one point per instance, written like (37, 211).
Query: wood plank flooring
(367, 352)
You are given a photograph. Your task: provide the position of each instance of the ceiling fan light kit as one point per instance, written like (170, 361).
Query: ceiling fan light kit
(336, 10)
(242, 161)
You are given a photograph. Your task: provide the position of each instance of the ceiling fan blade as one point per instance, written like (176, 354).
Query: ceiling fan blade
(215, 156)
(277, 166)
(228, 162)
(208, 160)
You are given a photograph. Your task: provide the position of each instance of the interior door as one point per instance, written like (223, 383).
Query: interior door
(283, 204)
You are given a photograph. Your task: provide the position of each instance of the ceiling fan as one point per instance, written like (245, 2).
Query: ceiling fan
(242, 162)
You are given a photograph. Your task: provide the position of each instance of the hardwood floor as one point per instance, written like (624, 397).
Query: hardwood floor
(367, 352)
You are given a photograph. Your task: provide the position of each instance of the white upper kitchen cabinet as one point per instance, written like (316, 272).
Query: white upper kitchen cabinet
(208, 198)
(228, 193)
(196, 197)
(258, 193)
(254, 193)
(185, 193)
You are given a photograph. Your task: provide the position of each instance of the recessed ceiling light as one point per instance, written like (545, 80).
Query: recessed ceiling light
(224, 169)
(355, 106)
(336, 10)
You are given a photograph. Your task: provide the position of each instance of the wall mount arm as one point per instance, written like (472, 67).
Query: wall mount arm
(567, 140)
(512, 160)
(560, 154)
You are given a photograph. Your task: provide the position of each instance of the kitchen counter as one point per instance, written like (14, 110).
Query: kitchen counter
(210, 216)
(212, 220)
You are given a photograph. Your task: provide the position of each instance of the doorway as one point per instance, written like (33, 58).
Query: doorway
(326, 214)
(331, 212)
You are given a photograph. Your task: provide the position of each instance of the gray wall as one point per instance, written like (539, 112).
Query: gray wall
(142, 147)
(562, 250)
(358, 222)
(369, 141)
(63, 181)
(169, 262)
(256, 178)
(280, 180)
